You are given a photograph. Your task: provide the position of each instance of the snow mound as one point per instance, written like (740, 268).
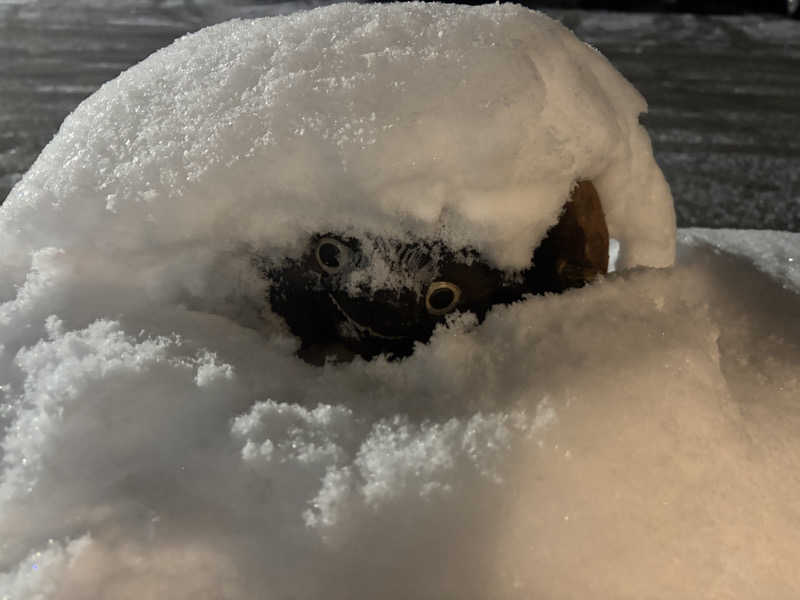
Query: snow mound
(633, 438)
(641, 432)
(469, 124)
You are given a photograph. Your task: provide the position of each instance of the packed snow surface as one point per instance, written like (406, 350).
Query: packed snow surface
(634, 438)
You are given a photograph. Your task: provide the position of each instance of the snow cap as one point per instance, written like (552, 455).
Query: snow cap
(471, 124)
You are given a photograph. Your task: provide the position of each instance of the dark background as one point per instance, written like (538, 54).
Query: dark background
(723, 85)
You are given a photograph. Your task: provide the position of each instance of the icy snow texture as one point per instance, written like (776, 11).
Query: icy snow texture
(635, 438)
(470, 124)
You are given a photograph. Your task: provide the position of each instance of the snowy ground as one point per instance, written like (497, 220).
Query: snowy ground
(724, 91)
(636, 438)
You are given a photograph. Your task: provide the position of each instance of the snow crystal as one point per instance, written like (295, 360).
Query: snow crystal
(633, 438)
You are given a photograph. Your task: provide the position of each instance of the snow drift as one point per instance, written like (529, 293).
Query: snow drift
(633, 438)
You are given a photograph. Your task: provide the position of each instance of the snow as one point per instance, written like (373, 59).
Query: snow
(773, 252)
(260, 132)
(633, 438)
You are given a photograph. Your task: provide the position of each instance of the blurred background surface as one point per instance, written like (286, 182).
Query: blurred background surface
(723, 84)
